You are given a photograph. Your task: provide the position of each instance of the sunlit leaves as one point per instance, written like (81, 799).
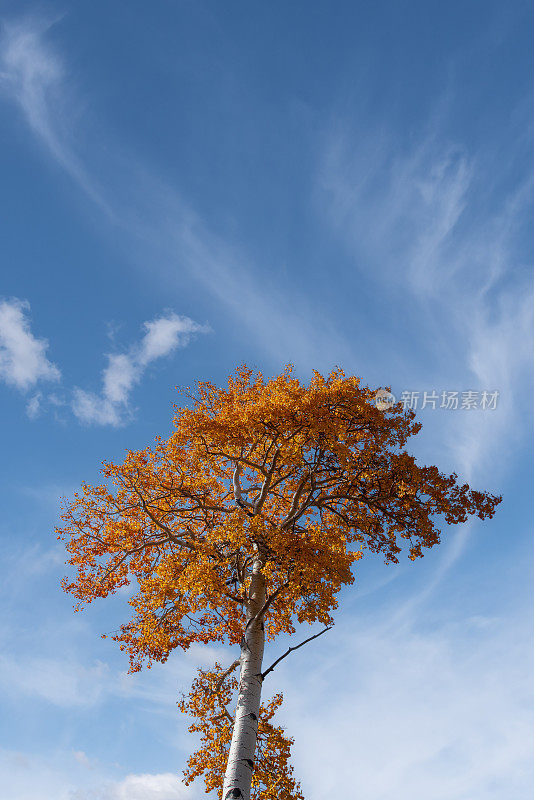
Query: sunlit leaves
(208, 700)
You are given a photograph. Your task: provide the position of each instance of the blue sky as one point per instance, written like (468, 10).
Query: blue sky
(188, 186)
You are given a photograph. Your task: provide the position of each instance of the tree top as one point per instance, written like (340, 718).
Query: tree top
(309, 476)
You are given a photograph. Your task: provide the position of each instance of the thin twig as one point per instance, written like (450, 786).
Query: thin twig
(290, 650)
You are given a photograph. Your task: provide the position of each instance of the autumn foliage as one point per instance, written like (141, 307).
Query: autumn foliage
(305, 478)
(208, 703)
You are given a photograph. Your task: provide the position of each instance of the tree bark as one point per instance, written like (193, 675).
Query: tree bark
(238, 777)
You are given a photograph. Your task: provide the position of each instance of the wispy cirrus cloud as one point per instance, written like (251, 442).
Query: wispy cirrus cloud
(152, 216)
(163, 335)
(33, 75)
(440, 230)
(435, 230)
(23, 359)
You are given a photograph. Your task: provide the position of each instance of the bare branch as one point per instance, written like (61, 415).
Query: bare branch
(172, 536)
(295, 501)
(238, 494)
(111, 569)
(266, 484)
(291, 649)
(236, 483)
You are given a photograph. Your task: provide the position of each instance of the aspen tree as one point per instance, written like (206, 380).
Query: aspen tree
(247, 520)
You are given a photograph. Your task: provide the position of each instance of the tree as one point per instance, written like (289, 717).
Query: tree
(249, 518)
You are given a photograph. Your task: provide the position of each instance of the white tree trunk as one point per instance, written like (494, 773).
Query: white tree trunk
(238, 777)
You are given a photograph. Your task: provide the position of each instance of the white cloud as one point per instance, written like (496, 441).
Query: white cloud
(92, 409)
(165, 786)
(23, 360)
(33, 406)
(119, 377)
(163, 336)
